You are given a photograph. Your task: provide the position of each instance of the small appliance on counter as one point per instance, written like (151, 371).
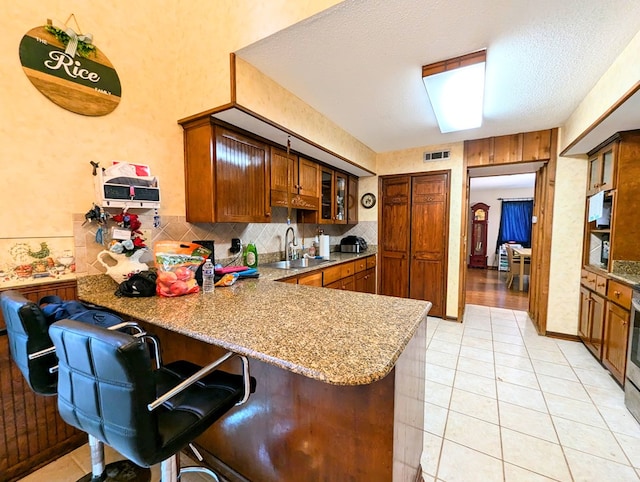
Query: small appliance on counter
(353, 244)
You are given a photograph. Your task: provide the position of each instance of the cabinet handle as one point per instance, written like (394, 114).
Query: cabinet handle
(617, 294)
(601, 284)
(267, 214)
(583, 277)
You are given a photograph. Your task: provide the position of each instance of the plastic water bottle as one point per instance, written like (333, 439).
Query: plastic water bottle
(207, 277)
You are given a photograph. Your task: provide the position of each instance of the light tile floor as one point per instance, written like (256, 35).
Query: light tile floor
(76, 464)
(504, 404)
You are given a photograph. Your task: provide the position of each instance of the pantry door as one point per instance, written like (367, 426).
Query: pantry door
(429, 240)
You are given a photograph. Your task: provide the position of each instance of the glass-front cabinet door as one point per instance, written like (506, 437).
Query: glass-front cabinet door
(326, 193)
(602, 169)
(340, 198)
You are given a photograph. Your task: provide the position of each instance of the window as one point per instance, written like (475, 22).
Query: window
(515, 222)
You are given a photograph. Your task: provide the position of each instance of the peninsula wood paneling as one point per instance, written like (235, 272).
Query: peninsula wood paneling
(294, 428)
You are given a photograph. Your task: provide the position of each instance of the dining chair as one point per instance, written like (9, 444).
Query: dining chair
(514, 265)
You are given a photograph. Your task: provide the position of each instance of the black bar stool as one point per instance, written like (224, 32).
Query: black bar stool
(33, 352)
(109, 388)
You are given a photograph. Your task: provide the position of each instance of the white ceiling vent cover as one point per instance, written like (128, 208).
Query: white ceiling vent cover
(436, 156)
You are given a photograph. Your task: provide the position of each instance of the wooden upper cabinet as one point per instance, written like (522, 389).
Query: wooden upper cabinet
(536, 145)
(284, 172)
(478, 152)
(333, 189)
(308, 178)
(295, 181)
(602, 165)
(352, 200)
(227, 175)
(523, 147)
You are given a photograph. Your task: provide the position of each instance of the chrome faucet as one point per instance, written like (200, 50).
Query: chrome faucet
(287, 249)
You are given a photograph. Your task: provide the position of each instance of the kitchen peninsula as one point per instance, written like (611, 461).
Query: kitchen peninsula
(340, 376)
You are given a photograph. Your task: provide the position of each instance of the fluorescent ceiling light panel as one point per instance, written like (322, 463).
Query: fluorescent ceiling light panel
(456, 91)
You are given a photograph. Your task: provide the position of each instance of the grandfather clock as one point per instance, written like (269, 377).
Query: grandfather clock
(479, 221)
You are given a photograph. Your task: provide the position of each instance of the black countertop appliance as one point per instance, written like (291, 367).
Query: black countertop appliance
(353, 244)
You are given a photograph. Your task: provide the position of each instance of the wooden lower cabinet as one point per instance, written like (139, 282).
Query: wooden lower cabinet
(604, 320)
(32, 433)
(366, 281)
(591, 327)
(616, 333)
(347, 284)
(357, 275)
(311, 279)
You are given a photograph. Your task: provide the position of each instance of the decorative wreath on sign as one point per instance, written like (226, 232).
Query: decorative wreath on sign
(84, 45)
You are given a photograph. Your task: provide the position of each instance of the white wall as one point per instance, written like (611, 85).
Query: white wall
(490, 198)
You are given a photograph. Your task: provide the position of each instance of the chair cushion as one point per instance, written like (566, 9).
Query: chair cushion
(187, 415)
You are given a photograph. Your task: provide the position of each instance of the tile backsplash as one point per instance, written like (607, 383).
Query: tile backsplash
(268, 237)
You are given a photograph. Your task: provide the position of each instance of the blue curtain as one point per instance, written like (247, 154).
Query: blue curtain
(515, 223)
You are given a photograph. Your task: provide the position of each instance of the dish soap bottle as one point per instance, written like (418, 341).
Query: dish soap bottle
(251, 256)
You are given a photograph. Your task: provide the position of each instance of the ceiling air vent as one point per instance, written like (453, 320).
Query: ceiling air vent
(436, 155)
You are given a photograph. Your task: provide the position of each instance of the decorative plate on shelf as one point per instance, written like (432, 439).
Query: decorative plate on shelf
(368, 200)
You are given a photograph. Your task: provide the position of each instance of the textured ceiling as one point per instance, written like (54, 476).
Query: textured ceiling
(359, 62)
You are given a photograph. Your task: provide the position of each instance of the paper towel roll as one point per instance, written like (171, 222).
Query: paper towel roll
(324, 246)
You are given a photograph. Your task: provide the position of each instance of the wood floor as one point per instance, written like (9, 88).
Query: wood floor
(488, 287)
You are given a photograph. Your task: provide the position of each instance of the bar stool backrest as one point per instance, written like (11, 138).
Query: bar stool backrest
(27, 330)
(105, 381)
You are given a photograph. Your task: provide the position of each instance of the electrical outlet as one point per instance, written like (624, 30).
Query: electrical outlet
(236, 245)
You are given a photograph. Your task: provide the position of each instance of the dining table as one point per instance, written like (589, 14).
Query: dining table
(524, 253)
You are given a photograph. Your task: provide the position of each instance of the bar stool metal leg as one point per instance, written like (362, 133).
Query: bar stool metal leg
(97, 457)
(169, 469)
(119, 471)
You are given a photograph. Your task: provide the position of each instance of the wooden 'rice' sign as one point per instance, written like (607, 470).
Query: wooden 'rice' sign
(69, 70)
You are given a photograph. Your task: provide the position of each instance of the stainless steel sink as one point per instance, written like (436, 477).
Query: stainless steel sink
(296, 263)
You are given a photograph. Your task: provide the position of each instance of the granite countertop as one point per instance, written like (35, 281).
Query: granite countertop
(11, 282)
(338, 337)
(627, 272)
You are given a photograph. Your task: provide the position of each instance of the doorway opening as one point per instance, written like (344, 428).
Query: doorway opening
(494, 276)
